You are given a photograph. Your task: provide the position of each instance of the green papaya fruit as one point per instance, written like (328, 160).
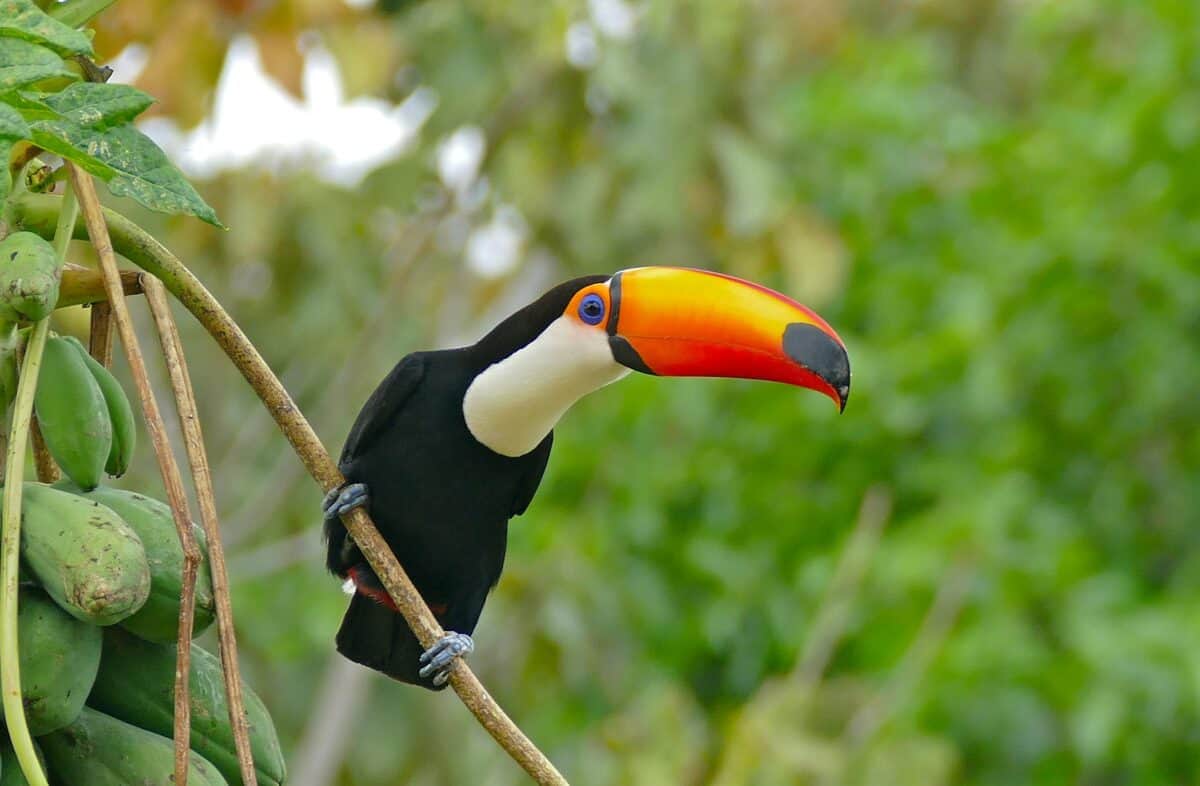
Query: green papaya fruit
(83, 555)
(120, 413)
(136, 683)
(158, 620)
(30, 273)
(10, 768)
(98, 750)
(58, 657)
(73, 414)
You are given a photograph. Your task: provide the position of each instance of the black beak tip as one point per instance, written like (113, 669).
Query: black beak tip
(821, 354)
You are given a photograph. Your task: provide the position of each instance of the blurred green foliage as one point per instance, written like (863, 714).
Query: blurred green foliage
(995, 203)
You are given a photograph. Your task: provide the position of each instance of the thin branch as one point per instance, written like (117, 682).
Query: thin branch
(193, 440)
(89, 204)
(330, 725)
(749, 736)
(33, 211)
(831, 618)
(944, 610)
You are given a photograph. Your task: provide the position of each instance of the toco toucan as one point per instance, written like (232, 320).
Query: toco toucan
(453, 443)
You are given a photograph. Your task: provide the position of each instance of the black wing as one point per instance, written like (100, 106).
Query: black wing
(383, 406)
(533, 476)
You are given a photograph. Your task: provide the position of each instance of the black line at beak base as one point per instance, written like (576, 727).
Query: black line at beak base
(624, 353)
(614, 304)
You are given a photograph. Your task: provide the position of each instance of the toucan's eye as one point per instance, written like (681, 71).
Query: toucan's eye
(591, 309)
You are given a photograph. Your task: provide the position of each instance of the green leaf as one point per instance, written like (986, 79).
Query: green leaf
(13, 127)
(31, 105)
(88, 123)
(77, 13)
(23, 63)
(129, 162)
(24, 20)
(97, 105)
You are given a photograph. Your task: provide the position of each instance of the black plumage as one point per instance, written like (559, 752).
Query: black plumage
(440, 498)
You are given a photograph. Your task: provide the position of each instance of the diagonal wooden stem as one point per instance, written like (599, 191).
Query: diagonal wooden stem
(89, 205)
(34, 211)
(193, 440)
(43, 462)
(100, 337)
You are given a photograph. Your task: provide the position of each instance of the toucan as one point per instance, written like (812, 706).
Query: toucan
(453, 443)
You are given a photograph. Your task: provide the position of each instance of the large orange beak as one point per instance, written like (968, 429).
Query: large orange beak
(695, 323)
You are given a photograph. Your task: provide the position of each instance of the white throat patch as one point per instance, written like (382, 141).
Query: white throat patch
(513, 404)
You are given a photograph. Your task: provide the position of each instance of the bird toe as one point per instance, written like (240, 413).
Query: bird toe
(439, 659)
(344, 498)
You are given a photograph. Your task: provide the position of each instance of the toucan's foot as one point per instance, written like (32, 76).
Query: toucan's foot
(344, 498)
(439, 659)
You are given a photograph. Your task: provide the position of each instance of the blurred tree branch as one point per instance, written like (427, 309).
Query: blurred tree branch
(947, 603)
(330, 728)
(831, 618)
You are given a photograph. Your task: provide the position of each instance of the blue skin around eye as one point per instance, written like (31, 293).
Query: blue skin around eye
(591, 309)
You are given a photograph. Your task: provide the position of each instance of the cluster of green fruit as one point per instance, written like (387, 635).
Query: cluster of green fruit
(101, 574)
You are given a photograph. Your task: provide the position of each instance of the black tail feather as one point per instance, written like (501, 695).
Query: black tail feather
(379, 638)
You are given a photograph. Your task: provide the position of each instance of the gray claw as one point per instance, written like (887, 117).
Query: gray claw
(439, 659)
(344, 498)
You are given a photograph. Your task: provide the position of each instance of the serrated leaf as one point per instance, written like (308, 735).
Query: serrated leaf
(129, 162)
(23, 63)
(22, 19)
(12, 126)
(97, 105)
